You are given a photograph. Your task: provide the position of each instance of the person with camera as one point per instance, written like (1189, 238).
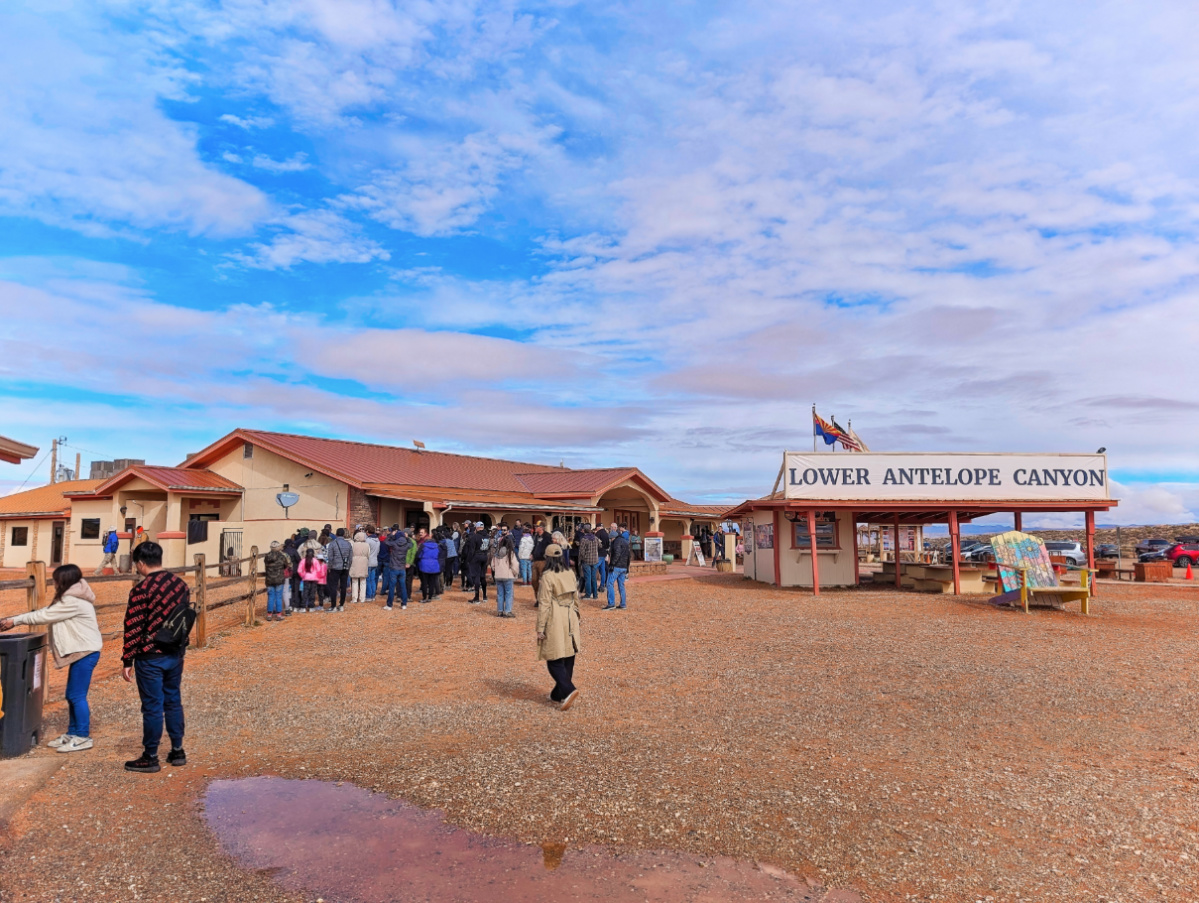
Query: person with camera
(76, 642)
(155, 656)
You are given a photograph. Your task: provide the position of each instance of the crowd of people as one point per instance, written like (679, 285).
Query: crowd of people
(323, 570)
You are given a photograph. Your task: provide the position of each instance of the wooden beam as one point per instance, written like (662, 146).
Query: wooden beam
(778, 541)
(1018, 521)
(898, 576)
(955, 544)
(1090, 576)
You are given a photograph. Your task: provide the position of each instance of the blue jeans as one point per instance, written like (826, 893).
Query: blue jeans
(396, 579)
(589, 581)
(372, 582)
(159, 680)
(274, 600)
(526, 570)
(503, 596)
(602, 570)
(617, 579)
(79, 679)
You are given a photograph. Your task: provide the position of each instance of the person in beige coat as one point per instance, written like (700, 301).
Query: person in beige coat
(558, 625)
(76, 642)
(359, 567)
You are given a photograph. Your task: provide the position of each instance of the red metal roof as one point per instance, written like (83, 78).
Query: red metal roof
(44, 501)
(15, 452)
(584, 482)
(169, 479)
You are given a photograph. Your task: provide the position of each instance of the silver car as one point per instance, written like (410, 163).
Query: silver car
(1073, 552)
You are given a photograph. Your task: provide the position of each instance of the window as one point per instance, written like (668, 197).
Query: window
(20, 536)
(826, 533)
(89, 528)
(247, 450)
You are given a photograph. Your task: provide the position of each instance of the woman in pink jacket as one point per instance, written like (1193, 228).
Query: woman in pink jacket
(312, 572)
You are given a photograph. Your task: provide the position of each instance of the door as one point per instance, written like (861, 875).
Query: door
(631, 519)
(56, 542)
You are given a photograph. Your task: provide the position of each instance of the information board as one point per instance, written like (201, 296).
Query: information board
(653, 548)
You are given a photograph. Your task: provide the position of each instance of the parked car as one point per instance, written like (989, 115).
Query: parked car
(1073, 552)
(1183, 553)
(1158, 554)
(1152, 545)
(1107, 550)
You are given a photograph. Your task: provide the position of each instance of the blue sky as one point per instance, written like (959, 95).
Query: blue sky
(607, 232)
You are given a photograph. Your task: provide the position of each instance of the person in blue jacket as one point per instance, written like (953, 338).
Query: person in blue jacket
(428, 562)
(111, 545)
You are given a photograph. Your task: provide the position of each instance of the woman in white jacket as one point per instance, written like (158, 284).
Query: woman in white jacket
(75, 641)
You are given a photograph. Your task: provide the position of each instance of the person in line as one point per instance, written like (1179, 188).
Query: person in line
(290, 596)
(429, 562)
(275, 564)
(359, 567)
(589, 562)
(75, 642)
(605, 542)
(477, 550)
(560, 540)
(618, 562)
(158, 666)
(112, 545)
(541, 542)
(384, 558)
(439, 582)
(398, 547)
(635, 546)
(339, 553)
(372, 564)
(524, 551)
(558, 626)
(413, 551)
(313, 573)
(468, 530)
(518, 532)
(504, 567)
(450, 543)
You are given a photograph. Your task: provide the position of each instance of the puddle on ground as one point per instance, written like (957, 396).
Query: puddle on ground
(349, 845)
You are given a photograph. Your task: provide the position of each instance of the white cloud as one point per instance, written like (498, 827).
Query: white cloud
(248, 122)
(314, 236)
(298, 162)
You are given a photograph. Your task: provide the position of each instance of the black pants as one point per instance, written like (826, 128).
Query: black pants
(337, 582)
(428, 586)
(451, 568)
(478, 576)
(562, 670)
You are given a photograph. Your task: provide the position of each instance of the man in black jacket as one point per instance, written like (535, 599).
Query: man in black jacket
(618, 567)
(475, 549)
(605, 543)
(542, 540)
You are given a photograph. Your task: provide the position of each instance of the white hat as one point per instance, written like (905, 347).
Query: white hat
(479, 524)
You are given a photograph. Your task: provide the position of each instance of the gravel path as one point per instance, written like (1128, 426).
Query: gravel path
(909, 747)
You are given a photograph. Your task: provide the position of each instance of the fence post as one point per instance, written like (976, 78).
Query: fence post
(201, 602)
(35, 599)
(253, 586)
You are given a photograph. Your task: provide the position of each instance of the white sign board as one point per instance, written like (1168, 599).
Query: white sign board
(874, 476)
(653, 548)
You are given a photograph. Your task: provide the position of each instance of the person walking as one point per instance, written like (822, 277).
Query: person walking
(398, 547)
(618, 563)
(429, 565)
(157, 665)
(372, 564)
(112, 544)
(275, 564)
(313, 573)
(75, 642)
(359, 567)
(558, 626)
(589, 562)
(541, 542)
(524, 552)
(504, 567)
(339, 553)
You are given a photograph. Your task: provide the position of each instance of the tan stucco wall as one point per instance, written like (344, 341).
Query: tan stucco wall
(16, 557)
(323, 500)
(836, 568)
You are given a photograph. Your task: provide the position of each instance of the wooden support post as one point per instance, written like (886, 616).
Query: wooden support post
(1090, 522)
(955, 545)
(253, 586)
(201, 601)
(1018, 521)
(812, 549)
(778, 543)
(898, 575)
(36, 598)
(853, 523)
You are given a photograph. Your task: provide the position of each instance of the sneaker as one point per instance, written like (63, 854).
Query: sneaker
(75, 744)
(403, 608)
(569, 701)
(144, 764)
(622, 607)
(608, 608)
(62, 740)
(509, 614)
(388, 607)
(177, 757)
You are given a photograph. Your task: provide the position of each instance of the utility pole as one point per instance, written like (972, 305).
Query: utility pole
(54, 461)
(78, 464)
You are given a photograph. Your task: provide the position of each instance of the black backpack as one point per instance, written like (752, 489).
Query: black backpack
(177, 626)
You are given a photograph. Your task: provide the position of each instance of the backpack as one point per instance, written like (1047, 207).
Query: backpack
(484, 544)
(177, 625)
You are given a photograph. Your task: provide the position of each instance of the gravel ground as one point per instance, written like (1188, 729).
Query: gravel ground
(910, 747)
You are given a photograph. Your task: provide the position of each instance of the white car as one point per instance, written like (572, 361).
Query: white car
(1073, 552)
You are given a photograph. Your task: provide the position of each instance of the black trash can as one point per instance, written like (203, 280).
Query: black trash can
(22, 662)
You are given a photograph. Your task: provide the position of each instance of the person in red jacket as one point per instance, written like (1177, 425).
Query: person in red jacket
(159, 667)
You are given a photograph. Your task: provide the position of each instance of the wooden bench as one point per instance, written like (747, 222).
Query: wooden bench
(1062, 593)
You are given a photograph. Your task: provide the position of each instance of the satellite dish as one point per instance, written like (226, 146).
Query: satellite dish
(286, 500)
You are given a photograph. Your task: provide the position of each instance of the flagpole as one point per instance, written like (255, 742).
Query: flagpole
(813, 426)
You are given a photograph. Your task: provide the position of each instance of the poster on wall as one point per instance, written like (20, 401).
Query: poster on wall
(907, 539)
(749, 538)
(653, 548)
(764, 536)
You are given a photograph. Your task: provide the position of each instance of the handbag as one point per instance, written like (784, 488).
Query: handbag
(177, 625)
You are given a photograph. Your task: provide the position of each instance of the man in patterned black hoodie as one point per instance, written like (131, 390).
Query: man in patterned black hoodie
(159, 668)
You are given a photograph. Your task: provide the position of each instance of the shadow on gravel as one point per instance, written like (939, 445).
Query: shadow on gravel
(519, 690)
(349, 845)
